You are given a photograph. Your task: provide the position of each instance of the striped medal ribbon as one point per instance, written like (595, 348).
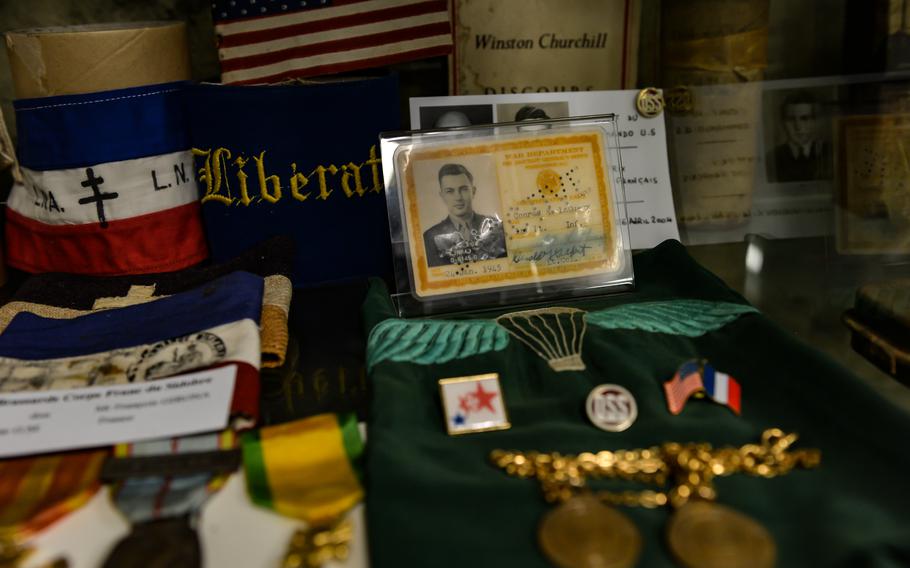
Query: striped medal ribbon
(35, 492)
(210, 326)
(163, 509)
(308, 470)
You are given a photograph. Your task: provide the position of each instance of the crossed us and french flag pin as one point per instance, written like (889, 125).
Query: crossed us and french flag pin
(701, 379)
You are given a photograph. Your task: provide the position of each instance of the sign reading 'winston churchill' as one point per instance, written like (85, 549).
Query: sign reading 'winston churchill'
(542, 46)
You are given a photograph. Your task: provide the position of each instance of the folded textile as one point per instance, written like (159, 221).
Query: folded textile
(65, 296)
(216, 324)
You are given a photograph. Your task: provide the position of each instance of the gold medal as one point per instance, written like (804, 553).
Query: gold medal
(584, 533)
(706, 535)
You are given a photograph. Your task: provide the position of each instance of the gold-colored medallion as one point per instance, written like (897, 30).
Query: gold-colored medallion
(706, 535)
(584, 533)
(649, 102)
(679, 100)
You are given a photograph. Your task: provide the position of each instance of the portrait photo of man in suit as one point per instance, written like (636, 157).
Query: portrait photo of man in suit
(464, 235)
(805, 154)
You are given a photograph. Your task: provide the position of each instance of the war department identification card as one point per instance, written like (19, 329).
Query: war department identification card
(507, 210)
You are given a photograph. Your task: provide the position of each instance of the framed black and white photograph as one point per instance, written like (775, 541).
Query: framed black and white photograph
(798, 137)
(456, 115)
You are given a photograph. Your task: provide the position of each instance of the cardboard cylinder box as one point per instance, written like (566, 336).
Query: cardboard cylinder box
(84, 59)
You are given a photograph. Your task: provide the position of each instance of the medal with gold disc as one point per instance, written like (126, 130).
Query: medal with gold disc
(584, 533)
(707, 535)
(306, 470)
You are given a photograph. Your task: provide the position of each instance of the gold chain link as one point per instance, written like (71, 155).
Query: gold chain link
(690, 467)
(316, 546)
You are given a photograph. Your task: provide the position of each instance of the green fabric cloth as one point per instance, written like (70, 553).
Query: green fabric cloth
(434, 500)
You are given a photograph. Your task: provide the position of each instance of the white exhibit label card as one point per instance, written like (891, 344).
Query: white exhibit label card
(642, 144)
(39, 422)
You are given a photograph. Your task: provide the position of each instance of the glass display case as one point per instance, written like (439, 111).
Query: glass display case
(747, 163)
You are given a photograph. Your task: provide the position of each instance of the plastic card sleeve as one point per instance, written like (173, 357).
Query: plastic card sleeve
(516, 213)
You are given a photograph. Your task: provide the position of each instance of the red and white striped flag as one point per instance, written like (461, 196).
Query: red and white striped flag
(684, 383)
(262, 41)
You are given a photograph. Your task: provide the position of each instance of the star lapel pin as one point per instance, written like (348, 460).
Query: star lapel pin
(473, 404)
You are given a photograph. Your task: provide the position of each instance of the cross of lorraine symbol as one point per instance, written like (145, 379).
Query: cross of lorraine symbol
(97, 196)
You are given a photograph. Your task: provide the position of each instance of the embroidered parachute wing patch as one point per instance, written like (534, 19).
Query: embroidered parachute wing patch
(433, 341)
(555, 334)
(689, 318)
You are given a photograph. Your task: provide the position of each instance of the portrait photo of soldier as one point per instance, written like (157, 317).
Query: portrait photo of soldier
(464, 235)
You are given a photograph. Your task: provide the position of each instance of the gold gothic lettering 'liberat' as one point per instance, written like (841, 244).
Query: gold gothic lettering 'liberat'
(221, 167)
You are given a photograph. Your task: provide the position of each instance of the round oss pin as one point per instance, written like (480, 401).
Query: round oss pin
(611, 408)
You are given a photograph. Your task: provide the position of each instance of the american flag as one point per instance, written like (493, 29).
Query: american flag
(262, 41)
(684, 383)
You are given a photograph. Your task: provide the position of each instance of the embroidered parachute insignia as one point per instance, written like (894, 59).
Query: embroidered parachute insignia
(554, 334)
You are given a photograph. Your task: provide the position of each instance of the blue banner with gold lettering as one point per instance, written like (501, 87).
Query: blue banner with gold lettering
(301, 160)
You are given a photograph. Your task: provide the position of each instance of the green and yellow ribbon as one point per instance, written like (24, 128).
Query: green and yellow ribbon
(308, 470)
